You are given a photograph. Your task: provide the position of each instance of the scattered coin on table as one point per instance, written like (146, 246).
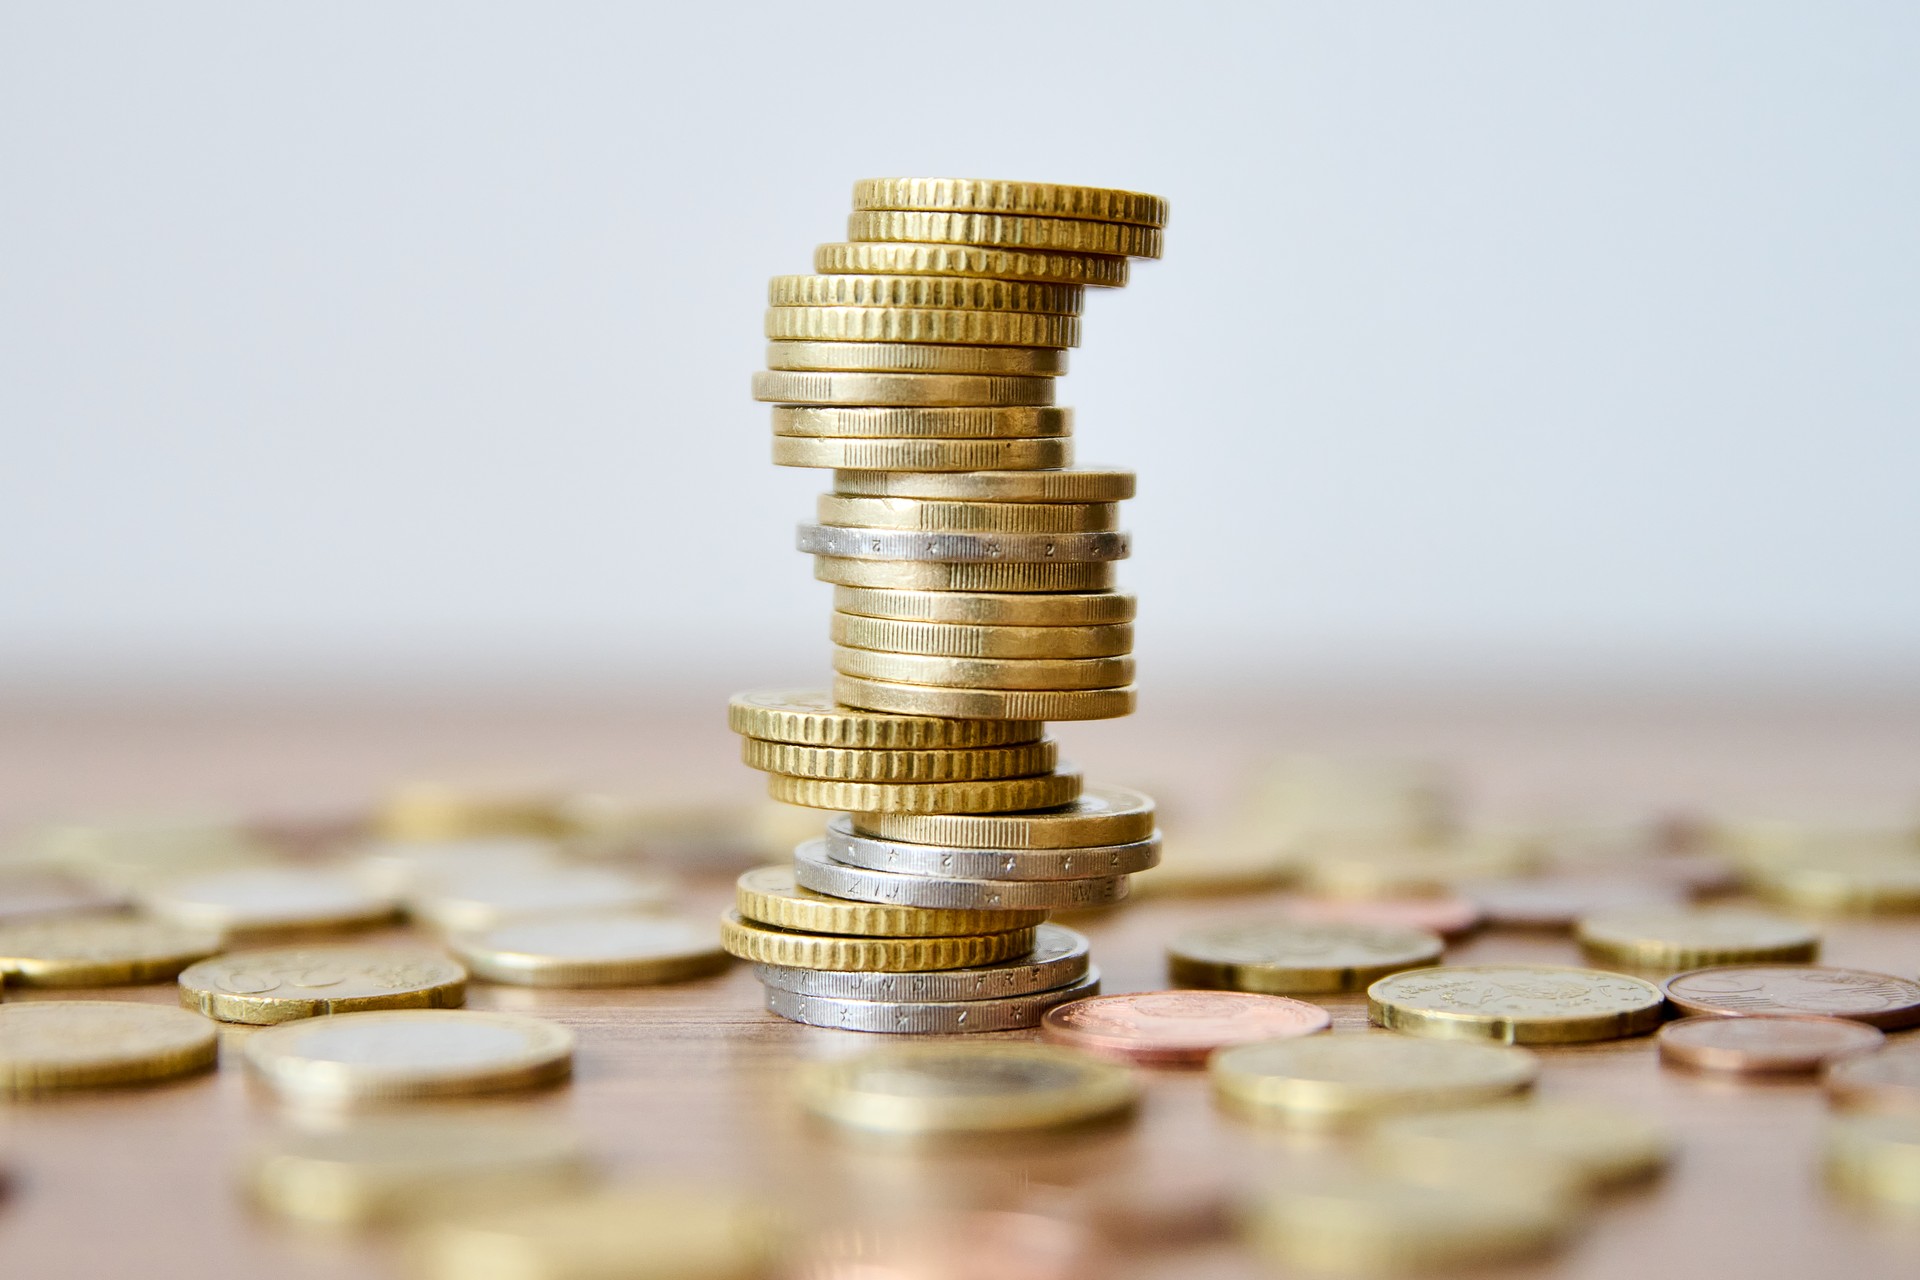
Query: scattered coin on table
(99, 951)
(359, 1058)
(1328, 1080)
(597, 949)
(1654, 938)
(49, 1045)
(1876, 1159)
(1291, 957)
(1560, 902)
(1516, 1004)
(929, 1090)
(1591, 1145)
(286, 984)
(457, 902)
(1369, 1224)
(1885, 1081)
(1878, 999)
(268, 904)
(1449, 915)
(1178, 1028)
(1765, 1044)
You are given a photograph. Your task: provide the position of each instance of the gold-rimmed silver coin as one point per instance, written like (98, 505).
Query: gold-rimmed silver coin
(98, 951)
(266, 904)
(286, 984)
(411, 1053)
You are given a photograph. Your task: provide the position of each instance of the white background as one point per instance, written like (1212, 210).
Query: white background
(410, 343)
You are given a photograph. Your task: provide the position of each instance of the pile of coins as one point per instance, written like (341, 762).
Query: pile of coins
(973, 575)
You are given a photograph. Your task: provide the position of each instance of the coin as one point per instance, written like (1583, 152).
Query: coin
(1053, 704)
(812, 718)
(929, 390)
(263, 904)
(1069, 609)
(1878, 999)
(895, 423)
(1040, 199)
(98, 951)
(1296, 957)
(971, 260)
(814, 870)
(1448, 916)
(1595, 1146)
(1515, 1004)
(770, 896)
(593, 949)
(1100, 815)
(845, 846)
(974, 1244)
(1877, 1158)
(1401, 869)
(457, 808)
(408, 1053)
(866, 764)
(1559, 902)
(764, 944)
(394, 868)
(934, 575)
(283, 985)
(1374, 1226)
(925, 292)
(944, 640)
(964, 1088)
(1082, 484)
(993, 795)
(903, 324)
(1683, 938)
(1885, 880)
(1011, 231)
(1058, 959)
(997, 674)
(81, 1044)
(1764, 1044)
(916, 357)
(917, 1017)
(1178, 1027)
(1884, 1081)
(974, 517)
(484, 899)
(960, 548)
(921, 455)
(1333, 1079)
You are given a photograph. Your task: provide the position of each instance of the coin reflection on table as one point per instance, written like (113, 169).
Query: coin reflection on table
(1765, 1044)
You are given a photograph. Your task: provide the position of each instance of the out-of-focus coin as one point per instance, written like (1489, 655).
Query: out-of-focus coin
(1178, 1027)
(1877, 1158)
(972, 260)
(600, 949)
(1595, 1146)
(1376, 1226)
(394, 868)
(999, 548)
(812, 718)
(1038, 199)
(844, 846)
(1285, 957)
(305, 982)
(1080, 484)
(771, 896)
(411, 1053)
(1689, 938)
(908, 390)
(972, 1245)
(1403, 869)
(814, 870)
(1884, 880)
(1559, 902)
(1335, 1079)
(1885, 1081)
(125, 854)
(1058, 959)
(1765, 1044)
(991, 795)
(1236, 860)
(481, 900)
(98, 951)
(923, 1017)
(906, 422)
(968, 704)
(764, 944)
(974, 608)
(1878, 999)
(918, 454)
(867, 764)
(26, 894)
(1516, 1004)
(1304, 801)
(1099, 815)
(1447, 915)
(406, 1168)
(265, 904)
(915, 357)
(965, 1088)
(80, 1044)
(925, 292)
(459, 808)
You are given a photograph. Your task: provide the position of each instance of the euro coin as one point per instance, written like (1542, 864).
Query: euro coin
(968, 1088)
(1857, 884)
(907, 390)
(1330, 1080)
(1082, 484)
(849, 848)
(457, 808)
(1099, 815)
(593, 949)
(921, 455)
(1516, 1004)
(1006, 231)
(483, 899)
(905, 544)
(1178, 1028)
(1876, 1158)
(984, 673)
(1885, 1081)
(859, 764)
(933, 575)
(916, 357)
(265, 904)
(812, 718)
(902, 324)
(411, 1053)
(1287, 957)
(1691, 938)
(1058, 960)
(1765, 1044)
(969, 517)
(971, 260)
(98, 951)
(1877, 999)
(1595, 1146)
(48, 1045)
(1386, 1226)
(925, 293)
(991, 795)
(771, 896)
(814, 870)
(990, 704)
(1035, 199)
(788, 948)
(972, 608)
(898, 423)
(918, 1017)
(282, 985)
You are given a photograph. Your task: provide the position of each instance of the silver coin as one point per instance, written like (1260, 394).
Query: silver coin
(929, 1017)
(1058, 958)
(961, 548)
(846, 846)
(813, 869)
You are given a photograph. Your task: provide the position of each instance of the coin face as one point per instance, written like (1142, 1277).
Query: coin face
(99, 951)
(302, 982)
(1516, 1004)
(1683, 937)
(1888, 1080)
(965, 1088)
(610, 949)
(1178, 1026)
(68, 1044)
(1878, 999)
(408, 1053)
(1290, 956)
(1764, 1044)
(1336, 1078)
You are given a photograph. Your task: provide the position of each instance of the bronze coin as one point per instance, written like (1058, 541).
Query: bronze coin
(1764, 1044)
(1736, 990)
(1887, 1081)
(1178, 1027)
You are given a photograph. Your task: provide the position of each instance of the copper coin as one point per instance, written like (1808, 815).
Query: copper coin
(1558, 902)
(1178, 1027)
(1765, 1044)
(1447, 914)
(1887, 1081)
(1735, 990)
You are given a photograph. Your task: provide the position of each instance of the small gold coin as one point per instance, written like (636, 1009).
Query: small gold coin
(940, 293)
(283, 985)
(973, 608)
(482, 899)
(98, 951)
(1099, 816)
(599, 949)
(971, 260)
(1592, 1146)
(982, 673)
(1083, 484)
(986, 704)
(893, 423)
(460, 808)
(265, 904)
(900, 324)
(812, 718)
(1383, 1226)
(1692, 938)
(922, 455)
(968, 517)
(763, 944)
(994, 795)
(916, 357)
(1033, 199)
(863, 764)
(1008, 231)
(1876, 1158)
(1289, 957)
(947, 640)
(82, 1044)
(935, 575)
(1516, 1004)
(1338, 1078)
(769, 896)
(968, 1088)
(906, 390)
(410, 1053)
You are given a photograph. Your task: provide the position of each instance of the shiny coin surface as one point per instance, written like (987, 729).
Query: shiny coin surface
(915, 357)
(968, 517)
(987, 704)
(1058, 959)
(1100, 815)
(935, 575)
(935, 292)
(972, 260)
(1689, 938)
(78, 1044)
(597, 949)
(1884, 1081)
(945, 640)
(921, 454)
(1334, 1079)
(937, 1090)
(906, 544)
(1876, 1158)
(772, 896)
(413, 1053)
(1178, 1027)
(1081, 484)
(1014, 231)
(1878, 999)
(1594, 1146)
(812, 718)
(1293, 957)
(262, 904)
(958, 390)
(1038, 199)
(789, 948)
(916, 1017)
(305, 982)
(1516, 1004)
(98, 951)
(993, 795)
(1560, 902)
(481, 900)
(1066, 609)
(902, 324)
(1448, 915)
(896, 423)
(814, 869)
(1765, 1044)
(868, 764)
(845, 846)
(1380, 1225)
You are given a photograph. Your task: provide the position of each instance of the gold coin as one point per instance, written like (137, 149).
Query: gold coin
(483, 898)
(1516, 1003)
(1006, 231)
(1355, 1224)
(1085, 484)
(974, 608)
(406, 1168)
(987, 704)
(1402, 869)
(916, 357)
(993, 795)
(1692, 938)
(1877, 1158)
(813, 719)
(1290, 957)
(456, 808)
(984, 673)
(267, 903)
(921, 455)
(971, 260)
(98, 951)
(968, 517)
(593, 949)
(864, 764)
(81, 1044)
(899, 324)
(1338, 1078)
(897, 423)
(1588, 1145)
(938, 293)
(965, 1088)
(769, 896)
(408, 1053)
(284, 985)
(938, 639)
(763, 944)
(938, 575)
(1034, 199)
(1099, 816)
(1856, 883)
(908, 390)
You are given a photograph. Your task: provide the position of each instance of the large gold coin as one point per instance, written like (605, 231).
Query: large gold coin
(82, 1044)
(985, 704)
(1541, 1142)
(996, 795)
(896, 423)
(965, 1088)
(1876, 1158)
(1100, 816)
(864, 764)
(98, 951)
(764, 944)
(915, 357)
(977, 608)
(929, 390)
(968, 517)
(593, 949)
(769, 896)
(1290, 957)
(971, 260)
(1083, 484)
(813, 719)
(984, 673)
(1339, 1078)
(281, 986)
(1354, 1224)
(922, 455)
(264, 904)
(1034, 199)
(1692, 938)
(945, 640)
(1007, 231)
(898, 324)
(1516, 1004)
(408, 1053)
(938, 293)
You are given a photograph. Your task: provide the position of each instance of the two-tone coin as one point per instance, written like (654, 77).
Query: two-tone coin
(99, 951)
(814, 869)
(410, 1053)
(847, 846)
(1099, 815)
(928, 1017)
(1058, 959)
(594, 949)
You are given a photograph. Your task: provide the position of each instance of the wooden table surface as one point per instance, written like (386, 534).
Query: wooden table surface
(689, 1083)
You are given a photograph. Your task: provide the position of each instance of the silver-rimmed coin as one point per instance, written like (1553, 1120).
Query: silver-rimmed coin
(1058, 959)
(917, 1017)
(813, 869)
(846, 846)
(960, 548)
